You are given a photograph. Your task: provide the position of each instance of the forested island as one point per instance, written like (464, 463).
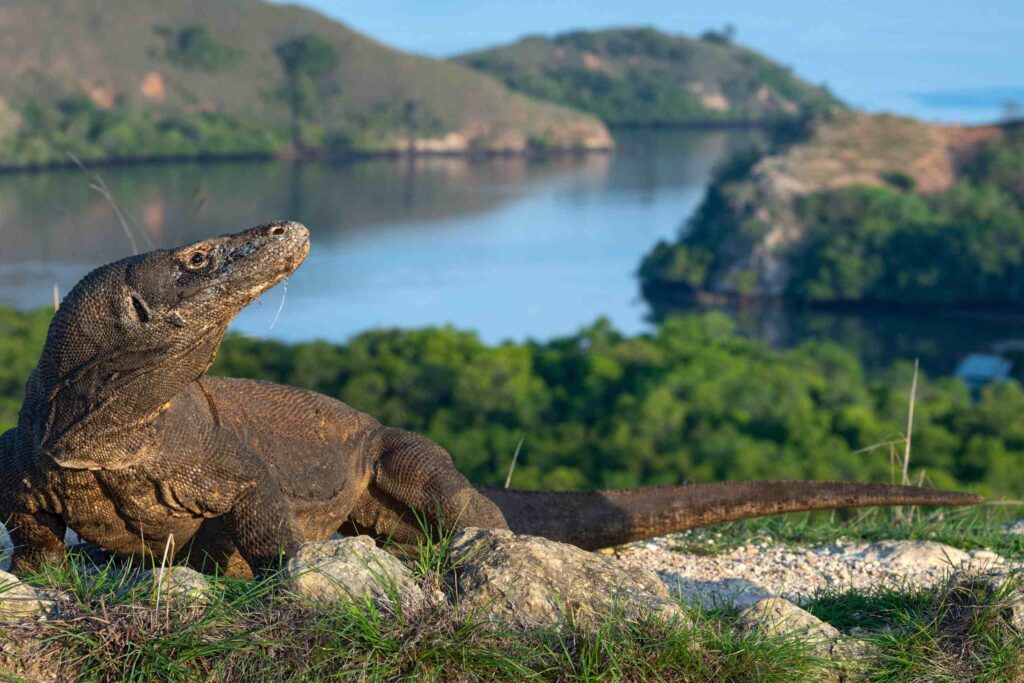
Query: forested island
(646, 77)
(867, 211)
(693, 401)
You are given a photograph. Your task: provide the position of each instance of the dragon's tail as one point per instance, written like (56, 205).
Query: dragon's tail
(599, 519)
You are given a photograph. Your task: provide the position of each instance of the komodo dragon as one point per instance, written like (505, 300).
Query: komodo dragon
(124, 438)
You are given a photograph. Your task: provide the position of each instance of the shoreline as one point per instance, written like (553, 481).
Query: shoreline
(312, 156)
(413, 152)
(667, 295)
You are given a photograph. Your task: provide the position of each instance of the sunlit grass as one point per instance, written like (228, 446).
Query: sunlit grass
(109, 628)
(969, 528)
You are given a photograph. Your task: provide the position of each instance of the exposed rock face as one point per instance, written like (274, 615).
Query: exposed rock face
(780, 618)
(851, 149)
(19, 600)
(532, 582)
(354, 569)
(855, 149)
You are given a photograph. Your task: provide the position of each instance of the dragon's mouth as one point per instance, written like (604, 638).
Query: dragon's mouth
(252, 262)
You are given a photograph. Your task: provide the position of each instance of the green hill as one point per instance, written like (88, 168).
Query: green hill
(868, 210)
(640, 76)
(128, 79)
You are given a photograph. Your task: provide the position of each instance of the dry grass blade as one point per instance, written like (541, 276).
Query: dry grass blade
(907, 515)
(100, 186)
(515, 458)
(910, 424)
(163, 565)
(280, 306)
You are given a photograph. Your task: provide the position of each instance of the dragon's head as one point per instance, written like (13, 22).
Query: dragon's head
(132, 334)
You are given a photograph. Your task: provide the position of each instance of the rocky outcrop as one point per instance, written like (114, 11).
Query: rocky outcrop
(852, 149)
(780, 618)
(744, 248)
(19, 600)
(177, 586)
(496, 577)
(354, 569)
(532, 582)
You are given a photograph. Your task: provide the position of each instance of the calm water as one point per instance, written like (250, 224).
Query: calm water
(508, 248)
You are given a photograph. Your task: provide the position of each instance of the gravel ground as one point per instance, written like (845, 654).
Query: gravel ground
(761, 569)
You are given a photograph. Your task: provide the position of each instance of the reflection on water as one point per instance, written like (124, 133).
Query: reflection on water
(507, 247)
(510, 248)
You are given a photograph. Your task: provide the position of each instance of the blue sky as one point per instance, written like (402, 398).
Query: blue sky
(875, 54)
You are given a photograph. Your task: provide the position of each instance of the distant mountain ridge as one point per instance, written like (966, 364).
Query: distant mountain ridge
(138, 78)
(642, 76)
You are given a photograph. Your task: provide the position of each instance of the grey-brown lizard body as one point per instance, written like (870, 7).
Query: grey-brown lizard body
(124, 438)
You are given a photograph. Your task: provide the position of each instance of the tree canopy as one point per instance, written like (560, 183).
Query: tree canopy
(693, 401)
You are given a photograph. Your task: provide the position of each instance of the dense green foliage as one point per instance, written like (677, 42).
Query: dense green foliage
(694, 401)
(878, 244)
(645, 77)
(48, 134)
(888, 244)
(21, 338)
(965, 245)
(306, 61)
(195, 47)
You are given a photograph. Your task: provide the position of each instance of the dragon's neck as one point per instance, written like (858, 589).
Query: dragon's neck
(102, 412)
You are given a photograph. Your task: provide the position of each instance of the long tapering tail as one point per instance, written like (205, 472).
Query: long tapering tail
(599, 519)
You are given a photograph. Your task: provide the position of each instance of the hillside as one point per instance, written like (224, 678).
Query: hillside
(640, 76)
(144, 78)
(867, 210)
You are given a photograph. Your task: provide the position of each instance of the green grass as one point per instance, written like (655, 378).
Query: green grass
(969, 528)
(254, 632)
(928, 635)
(111, 630)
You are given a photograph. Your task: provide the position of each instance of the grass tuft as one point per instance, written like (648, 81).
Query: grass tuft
(109, 628)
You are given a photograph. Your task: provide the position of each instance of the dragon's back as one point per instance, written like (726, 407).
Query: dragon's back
(316, 445)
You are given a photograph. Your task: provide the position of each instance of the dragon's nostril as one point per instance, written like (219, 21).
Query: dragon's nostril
(277, 230)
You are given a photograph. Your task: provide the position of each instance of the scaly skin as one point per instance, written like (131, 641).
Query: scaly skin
(124, 438)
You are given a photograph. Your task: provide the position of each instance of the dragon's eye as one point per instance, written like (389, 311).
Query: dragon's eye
(197, 259)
